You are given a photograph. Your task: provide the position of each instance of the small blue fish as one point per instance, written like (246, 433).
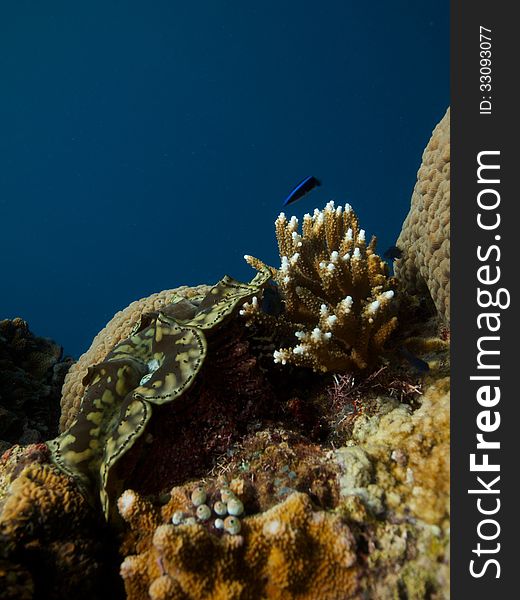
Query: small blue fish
(303, 188)
(418, 364)
(271, 300)
(392, 253)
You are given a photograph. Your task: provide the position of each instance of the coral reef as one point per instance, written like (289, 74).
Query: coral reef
(116, 330)
(336, 292)
(52, 545)
(425, 236)
(289, 551)
(245, 478)
(387, 490)
(31, 375)
(151, 368)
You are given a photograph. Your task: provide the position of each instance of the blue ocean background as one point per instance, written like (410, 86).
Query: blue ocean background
(147, 145)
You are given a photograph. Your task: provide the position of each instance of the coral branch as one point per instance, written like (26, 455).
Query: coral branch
(335, 288)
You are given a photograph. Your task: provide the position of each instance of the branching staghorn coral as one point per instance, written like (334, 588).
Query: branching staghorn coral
(336, 291)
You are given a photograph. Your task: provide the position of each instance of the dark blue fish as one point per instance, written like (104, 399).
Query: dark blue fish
(418, 364)
(303, 188)
(271, 300)
(392, 253)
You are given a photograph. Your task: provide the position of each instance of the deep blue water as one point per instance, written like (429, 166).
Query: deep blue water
(145, 145)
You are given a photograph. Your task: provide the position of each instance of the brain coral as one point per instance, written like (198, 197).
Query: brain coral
(290, 551)
(116, 330)
(425, 236)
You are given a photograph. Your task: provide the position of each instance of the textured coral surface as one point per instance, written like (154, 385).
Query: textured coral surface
(51, 544)
(425, 236)
(407, 452)
(290, 551)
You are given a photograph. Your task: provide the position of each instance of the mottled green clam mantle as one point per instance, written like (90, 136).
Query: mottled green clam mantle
(154, 366)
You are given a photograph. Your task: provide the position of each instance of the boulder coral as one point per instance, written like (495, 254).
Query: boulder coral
(425, 235)
(290, 551)
(337, 294)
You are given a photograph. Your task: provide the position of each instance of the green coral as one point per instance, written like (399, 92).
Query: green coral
(154, 366)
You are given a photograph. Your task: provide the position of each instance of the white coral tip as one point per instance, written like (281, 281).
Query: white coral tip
(299, 349)
(331, 321)
(389, 295)
(357, 252)
(324, 310)
(316, 334)
(334, 256)
(361, 235)
(126, 502)
(278, 356)
(331, 267)
(373, 306)
(293, 223)
(294, 258)
(347, 303)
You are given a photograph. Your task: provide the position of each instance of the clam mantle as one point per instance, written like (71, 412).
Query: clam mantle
(154, 366)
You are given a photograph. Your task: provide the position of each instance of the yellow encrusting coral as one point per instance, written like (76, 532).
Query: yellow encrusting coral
(336, 291)
(291, 551)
